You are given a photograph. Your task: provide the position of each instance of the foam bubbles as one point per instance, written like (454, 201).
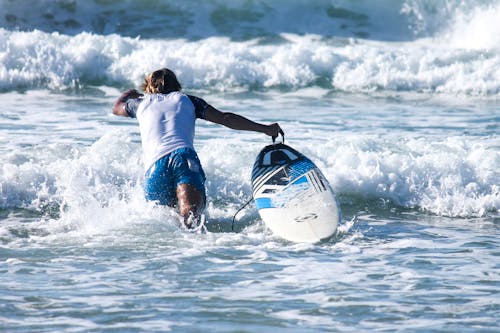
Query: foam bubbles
(477, 29)
(449, 177)
(37, 59)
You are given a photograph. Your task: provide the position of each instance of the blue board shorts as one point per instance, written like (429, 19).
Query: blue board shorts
(181, 166)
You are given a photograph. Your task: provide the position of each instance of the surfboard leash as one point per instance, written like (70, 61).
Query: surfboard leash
(239, 210)
(250, 200)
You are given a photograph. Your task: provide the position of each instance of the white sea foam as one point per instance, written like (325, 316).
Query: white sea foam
(477, 29)
(99, 188)
(450, 178)
(451, 48)
(55, 61)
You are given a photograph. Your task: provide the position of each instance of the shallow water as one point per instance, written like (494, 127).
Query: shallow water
(401, 119)
(404, 269)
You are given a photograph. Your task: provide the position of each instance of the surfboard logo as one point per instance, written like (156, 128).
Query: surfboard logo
(307, 217)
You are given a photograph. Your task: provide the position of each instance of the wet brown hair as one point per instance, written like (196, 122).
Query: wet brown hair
(161, 81)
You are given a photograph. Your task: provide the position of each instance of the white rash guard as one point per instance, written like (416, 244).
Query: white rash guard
(166, 122)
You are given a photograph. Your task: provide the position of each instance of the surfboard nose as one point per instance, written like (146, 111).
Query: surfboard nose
(279, 157)
(278, 154)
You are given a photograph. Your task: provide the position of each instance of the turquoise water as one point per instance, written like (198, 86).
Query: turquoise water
(397, 104)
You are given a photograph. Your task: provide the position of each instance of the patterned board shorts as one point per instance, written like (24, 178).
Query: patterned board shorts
(181, 166)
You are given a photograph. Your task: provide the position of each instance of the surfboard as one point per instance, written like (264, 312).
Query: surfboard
(292, 196)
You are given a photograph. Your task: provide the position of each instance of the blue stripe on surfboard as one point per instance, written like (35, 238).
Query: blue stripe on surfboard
(302, 179)
(299, 168)
(262, 203)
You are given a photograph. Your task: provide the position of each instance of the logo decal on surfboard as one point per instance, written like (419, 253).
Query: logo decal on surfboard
(308, 217)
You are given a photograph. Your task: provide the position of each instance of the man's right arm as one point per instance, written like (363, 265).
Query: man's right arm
(119, 108)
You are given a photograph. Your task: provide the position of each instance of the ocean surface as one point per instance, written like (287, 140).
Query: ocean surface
(397, 102)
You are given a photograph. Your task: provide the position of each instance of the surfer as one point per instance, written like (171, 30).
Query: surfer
(166, 116)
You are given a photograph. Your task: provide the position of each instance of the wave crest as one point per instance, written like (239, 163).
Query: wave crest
(42, 60)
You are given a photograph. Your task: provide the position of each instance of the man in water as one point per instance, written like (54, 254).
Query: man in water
(166, 117)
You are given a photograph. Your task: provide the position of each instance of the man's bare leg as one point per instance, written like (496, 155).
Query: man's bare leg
(190, 202)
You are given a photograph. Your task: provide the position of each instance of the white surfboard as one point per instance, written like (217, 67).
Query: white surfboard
(292, 196)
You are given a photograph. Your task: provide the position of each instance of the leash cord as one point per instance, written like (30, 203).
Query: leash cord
(250, 200)
(239, 210)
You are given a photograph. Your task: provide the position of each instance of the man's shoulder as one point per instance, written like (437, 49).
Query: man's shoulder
(200, 106)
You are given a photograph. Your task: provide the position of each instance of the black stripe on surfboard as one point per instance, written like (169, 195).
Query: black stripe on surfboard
(259, 172)
(257, 183)
(318, 185)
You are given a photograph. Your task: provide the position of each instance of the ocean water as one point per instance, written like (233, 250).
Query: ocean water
(397, 102)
